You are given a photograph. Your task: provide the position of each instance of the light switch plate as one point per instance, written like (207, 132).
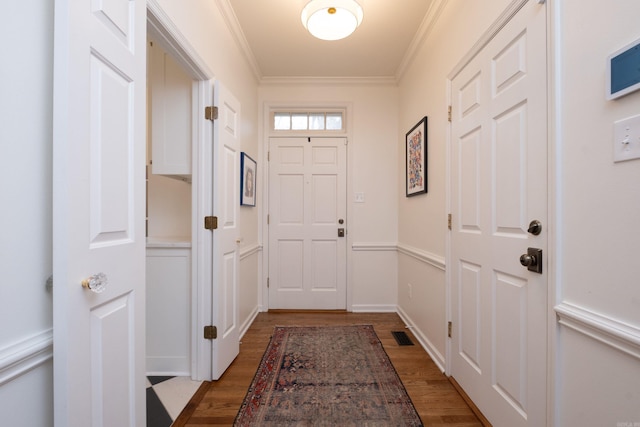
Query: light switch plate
(359, 198)
(626, 139)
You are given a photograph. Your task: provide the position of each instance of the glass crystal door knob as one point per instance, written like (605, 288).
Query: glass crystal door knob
(96, 283)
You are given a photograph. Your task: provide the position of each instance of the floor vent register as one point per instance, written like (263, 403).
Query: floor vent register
(402, 338)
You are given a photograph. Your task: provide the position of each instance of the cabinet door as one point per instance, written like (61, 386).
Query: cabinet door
(170, 93)
(168, 302)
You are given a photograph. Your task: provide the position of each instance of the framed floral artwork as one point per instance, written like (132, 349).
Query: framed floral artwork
(247, 180)
(416, 146)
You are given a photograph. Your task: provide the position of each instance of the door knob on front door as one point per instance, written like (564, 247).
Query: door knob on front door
(532, 260)
(340, 232)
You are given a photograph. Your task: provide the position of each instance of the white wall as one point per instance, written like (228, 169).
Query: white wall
(454, 28)
(25, 191)
(595, 206)
(169, 207)
(598, 232)
(372, 225)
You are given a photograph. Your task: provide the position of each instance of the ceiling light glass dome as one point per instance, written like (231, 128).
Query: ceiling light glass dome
(331, 19)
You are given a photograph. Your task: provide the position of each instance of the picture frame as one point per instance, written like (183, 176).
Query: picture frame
(416, 159)
(248, 169)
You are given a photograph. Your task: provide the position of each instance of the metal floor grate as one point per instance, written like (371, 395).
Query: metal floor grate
(402, 338)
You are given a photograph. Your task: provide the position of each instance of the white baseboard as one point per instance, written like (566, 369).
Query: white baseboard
(19, 358)
(435, 355)
(247, 323)
(169, 374)
(373, 308)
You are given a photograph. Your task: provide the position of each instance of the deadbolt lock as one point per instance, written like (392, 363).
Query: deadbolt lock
(340, 232)
(535, 227)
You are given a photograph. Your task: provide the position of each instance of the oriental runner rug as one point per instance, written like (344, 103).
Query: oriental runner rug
(326, 376)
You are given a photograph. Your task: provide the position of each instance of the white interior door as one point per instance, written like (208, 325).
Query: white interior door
(499, 185)
(226, 201)
(307, 208)
(98, 212)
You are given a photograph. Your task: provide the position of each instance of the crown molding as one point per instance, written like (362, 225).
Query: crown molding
(428, 23)
(328, 81)
(233, 25)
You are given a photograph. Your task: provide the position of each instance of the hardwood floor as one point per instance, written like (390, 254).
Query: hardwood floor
(436, 400)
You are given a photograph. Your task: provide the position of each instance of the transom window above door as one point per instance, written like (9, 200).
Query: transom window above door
(317, 120)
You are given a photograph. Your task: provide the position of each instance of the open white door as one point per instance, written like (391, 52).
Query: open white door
(226, 201)
(499, 191)
(98, 212)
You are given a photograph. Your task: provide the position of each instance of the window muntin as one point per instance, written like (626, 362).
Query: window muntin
(311, 120)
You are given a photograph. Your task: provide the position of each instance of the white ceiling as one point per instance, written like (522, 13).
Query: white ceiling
(280, 47)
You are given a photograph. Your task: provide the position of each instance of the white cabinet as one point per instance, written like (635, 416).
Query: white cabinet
(168, 303)
(170, 111)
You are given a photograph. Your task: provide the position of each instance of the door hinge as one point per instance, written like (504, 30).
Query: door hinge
(449, 220)
(267, 283)
(210, 332)
(210, 222)
(211, 113)
(268, 156)
(449, 113)
(449, 327)
(268, 218)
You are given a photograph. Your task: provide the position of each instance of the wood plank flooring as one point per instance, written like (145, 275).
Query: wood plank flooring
(436, 400)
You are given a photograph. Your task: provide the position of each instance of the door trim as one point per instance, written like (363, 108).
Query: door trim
(163, 29)
(263, 229)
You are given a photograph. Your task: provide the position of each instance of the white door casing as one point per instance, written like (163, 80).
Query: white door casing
(226, 202)
(98, 212)
(499, 184)
(307, 201)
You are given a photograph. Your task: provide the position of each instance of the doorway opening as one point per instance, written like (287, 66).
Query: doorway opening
(180, 189)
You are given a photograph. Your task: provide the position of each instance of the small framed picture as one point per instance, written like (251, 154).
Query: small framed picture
(247, 180)
(416, 146)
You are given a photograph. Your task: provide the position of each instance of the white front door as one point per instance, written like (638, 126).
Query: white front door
(98, 212)
(499, 185)
(307, 209)
(226, 202)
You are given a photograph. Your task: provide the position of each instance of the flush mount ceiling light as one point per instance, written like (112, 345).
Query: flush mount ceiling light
(331, 19)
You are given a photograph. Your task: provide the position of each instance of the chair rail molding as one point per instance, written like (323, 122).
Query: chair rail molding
(611, 332)
(250, 250)
(19, 358)
(434, 260)
(374, 246)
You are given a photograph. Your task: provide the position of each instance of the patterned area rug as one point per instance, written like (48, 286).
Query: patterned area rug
(326, 376)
